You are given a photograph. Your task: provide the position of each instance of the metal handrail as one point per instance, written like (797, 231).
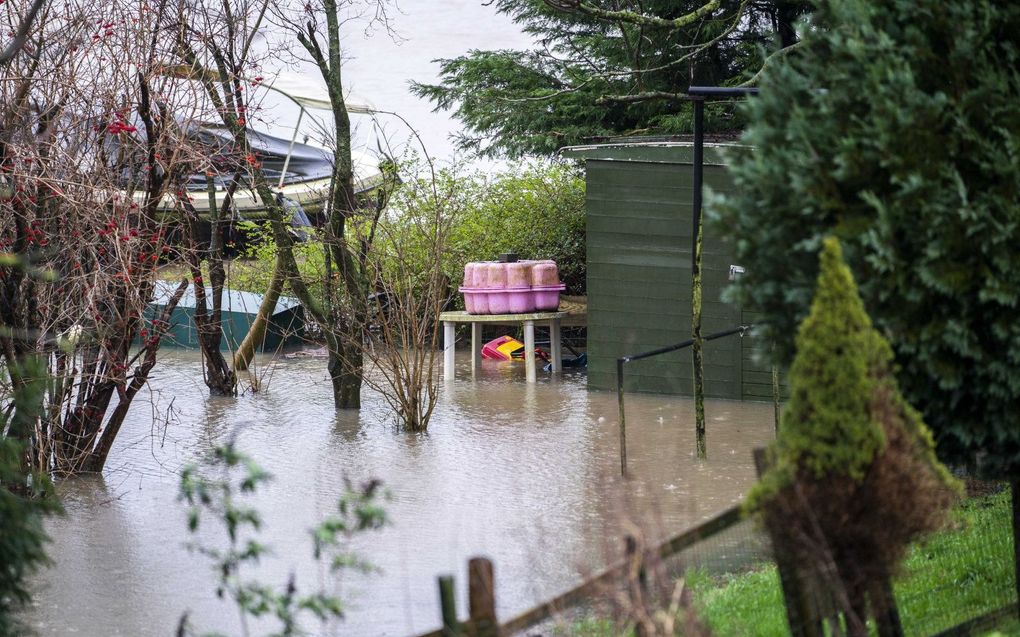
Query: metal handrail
(649, 354)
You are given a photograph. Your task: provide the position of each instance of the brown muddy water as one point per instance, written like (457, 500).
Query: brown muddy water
(526, 475)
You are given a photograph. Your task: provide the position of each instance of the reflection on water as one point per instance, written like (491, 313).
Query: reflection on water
(525, 474)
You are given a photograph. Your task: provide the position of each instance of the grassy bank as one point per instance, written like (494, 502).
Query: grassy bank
(960, 573)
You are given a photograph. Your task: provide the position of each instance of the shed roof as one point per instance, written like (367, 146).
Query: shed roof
(663, 152)
(233, 300)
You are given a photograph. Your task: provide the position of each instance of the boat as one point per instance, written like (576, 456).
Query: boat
(300, 172)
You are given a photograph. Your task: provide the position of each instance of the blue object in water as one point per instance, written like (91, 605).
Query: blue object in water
(580, 361)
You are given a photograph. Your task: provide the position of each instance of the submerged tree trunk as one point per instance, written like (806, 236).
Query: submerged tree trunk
(345, 372)
(218, 376)
(257, 332)
(343, 320)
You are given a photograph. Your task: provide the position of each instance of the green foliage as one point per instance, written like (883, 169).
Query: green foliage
(226, 500)
(843, 400)
(595, 74)
(896, 127)
(535, 210)
(253, 273)
(25, 501)
(828, 426)
(24, 504)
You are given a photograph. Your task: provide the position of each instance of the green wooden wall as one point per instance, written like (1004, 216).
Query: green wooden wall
(639, 231)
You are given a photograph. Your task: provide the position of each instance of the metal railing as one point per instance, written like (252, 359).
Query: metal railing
(620, 362)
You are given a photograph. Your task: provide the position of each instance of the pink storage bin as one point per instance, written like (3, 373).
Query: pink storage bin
(518, 287)
(545, 273)
(518, 275)
(521, 300)
(469, 275)
(547, 297)
(493, 276)
(499, 302)
(476, 300)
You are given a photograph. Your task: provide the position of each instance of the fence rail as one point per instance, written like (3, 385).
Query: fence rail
(623, 360)
(481, 589)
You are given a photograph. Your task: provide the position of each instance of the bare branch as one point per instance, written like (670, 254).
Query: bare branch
(21, 35)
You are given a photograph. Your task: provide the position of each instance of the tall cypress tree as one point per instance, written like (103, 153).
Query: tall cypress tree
(854, 476)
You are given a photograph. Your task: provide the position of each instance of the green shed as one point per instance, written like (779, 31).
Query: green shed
(639, 236)
(286, 325)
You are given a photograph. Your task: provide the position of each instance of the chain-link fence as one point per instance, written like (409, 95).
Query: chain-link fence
(960, 580)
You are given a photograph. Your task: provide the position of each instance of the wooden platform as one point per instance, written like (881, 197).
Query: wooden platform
(552, 319)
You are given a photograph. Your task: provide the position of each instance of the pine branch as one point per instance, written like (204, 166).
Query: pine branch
(646, 96)
(633, 17)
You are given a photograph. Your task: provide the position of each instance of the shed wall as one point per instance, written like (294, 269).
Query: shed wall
(639, 282)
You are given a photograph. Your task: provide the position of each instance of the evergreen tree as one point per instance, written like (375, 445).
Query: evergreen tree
(25, 500)
(606, 68)
(896, 127)
(854, 477)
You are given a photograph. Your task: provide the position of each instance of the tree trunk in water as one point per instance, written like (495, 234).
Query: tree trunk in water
(257, 332)
(345, 368)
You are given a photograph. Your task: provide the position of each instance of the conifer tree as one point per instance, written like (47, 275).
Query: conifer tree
(854, 476)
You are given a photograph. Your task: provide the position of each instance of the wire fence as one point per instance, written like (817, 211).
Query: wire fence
(721, 578)
(959, 580)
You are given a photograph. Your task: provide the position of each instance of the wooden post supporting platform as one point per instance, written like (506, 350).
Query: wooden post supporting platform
(449, 349)
(529, 351)
(482, 598)
(476, 348)
(528, 321)
(555, 347)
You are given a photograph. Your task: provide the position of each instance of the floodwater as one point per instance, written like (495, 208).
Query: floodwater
(526, 475)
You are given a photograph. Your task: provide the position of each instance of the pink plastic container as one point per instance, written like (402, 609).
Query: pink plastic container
(545, 273)
(547, 297)
(521, 300)
(493, 285)
(476, 300)
(469, 275)
(494, 276)
(518, 287)
(518, 275)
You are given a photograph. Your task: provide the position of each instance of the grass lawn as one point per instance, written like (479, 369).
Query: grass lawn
(957, 574)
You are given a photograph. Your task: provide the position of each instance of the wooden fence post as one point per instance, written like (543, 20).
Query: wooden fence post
(482, 598)
(448, 604)
(883, 605)
(800, 612)
(1014, 486)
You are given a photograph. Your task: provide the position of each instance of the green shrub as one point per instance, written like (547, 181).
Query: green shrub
(895, 126)
(534, 210)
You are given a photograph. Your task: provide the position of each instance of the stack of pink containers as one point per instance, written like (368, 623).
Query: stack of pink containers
(517, 287)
